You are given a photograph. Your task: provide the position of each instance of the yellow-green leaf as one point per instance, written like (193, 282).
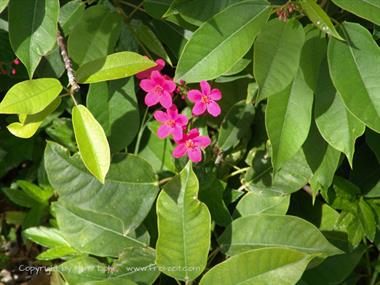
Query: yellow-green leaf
(29, 124)
(92, 142)
(30, 96)
(113, 66)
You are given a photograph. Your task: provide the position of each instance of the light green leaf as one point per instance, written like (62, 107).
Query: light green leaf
(263, 202)
(114, 105)
(128, 193)
(70, 14)
(30, 96)
(265, 230)
(238, 67)
(29, 124)
(34, 192)
(319, 18)
(235, 125)
(184, 227)
(353, 69)
(277, 54)
(260, 266)
(114, 66)
(95, 35)
(3, 5)
(149, 39)
(336, 124)
(39, 21)
(367, 219)
(47, 237)
(92, 142)
(224, 36)
(367, 9)
(58, 252)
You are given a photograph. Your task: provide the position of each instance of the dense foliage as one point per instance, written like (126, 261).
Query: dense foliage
(190, 142)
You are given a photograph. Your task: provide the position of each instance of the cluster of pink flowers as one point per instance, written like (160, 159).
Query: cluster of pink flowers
(160, 90)
(7, 68)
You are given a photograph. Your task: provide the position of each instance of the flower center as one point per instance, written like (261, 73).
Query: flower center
(190, 144)
(170, 123)
(158, 89)
(205, 99)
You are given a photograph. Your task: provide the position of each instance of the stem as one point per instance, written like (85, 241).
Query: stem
(137, 7)
(164, 154)
(134, 11)
(241, 170)
(142, 127)
(179, 283)
(212, 256)
(73, 83)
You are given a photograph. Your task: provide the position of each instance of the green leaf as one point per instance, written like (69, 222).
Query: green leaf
(367, 9)
(149, 39)
(47, 237)
(279, 265)
(114, 105)
(61, 131)
(94, 231)
(18, 197)
(353, 69)
(288, 113)
(30, 96)
(92, 142)
(263, 202)
(127, 194)
(158, 152)
(114, 66)
(3, 5)
(367, 219)
(30, 123)
(157, 8)
(136, 264)
(39, 21)
(184, 227)
(277, 54)
(265, 230)
(198, 11)
(34, 192)
(235, 125)
(95, 35)
(238, 67)
(336, 124)
(372, 139)
(58, 252)
(319, 18)
(224, 34)
(70, 14)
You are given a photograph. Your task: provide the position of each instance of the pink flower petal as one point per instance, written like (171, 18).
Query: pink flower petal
(193, 133)
(160, 116)
(172, 112)
(160, 64)
(164, 131)
(194, 95)
(195, 155)
(151, 99)
(157, 78)
(177, 133)
(203, 141)
(182, 120)
(199, 108)
(169, 86)
(205, 87)
(147, 85)
(179, 150)
(213, 108)
(215, 94)
(166, 100)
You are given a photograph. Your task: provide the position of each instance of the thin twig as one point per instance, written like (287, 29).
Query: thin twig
(137, 7)
(73, 83)
(141, 131)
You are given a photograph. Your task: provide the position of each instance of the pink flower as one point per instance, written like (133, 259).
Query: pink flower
(205, 100)
(146, 73)
(191, 144)
(159, 90)
(172, 123)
